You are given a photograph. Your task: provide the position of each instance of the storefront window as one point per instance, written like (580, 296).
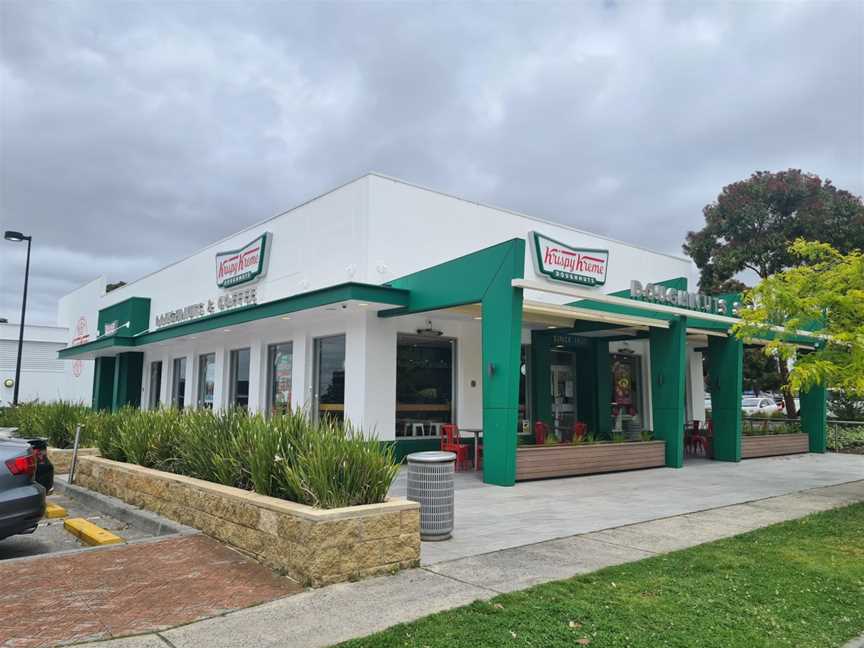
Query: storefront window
(240, 378)
(330, 376)
(424, 385)
(280, 363)
(155, 385)
(206, 379)
(627, 416)
(178, 383)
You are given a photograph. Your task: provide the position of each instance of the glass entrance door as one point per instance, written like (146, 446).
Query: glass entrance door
(563, 386)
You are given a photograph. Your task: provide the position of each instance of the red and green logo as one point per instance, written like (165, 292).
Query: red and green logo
(235, 267)
(559, 261)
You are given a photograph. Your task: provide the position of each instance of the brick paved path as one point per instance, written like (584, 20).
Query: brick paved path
(128, 589)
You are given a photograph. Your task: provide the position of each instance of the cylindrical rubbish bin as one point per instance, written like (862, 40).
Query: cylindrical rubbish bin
(430, 482)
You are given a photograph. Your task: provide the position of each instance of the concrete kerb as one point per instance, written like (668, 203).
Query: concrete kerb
(143, 519)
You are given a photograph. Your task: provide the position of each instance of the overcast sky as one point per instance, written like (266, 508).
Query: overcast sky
(132, 134)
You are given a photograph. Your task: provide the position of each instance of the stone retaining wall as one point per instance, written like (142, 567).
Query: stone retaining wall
(313, 546)
(62, 459)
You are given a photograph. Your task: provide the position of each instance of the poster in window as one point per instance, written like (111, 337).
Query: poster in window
(282, 380)
(622, 373)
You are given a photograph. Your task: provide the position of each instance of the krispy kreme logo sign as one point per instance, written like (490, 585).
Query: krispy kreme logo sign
(559, 261)
(235, 267)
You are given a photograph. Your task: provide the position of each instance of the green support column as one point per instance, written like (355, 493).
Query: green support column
(668, 357)
(502, 339)
(726, 369)
(128, 372)
(603, 377)
(814, 412)
(541, 395)
(103, 382)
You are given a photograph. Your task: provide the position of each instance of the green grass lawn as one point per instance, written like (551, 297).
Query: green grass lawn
(799, 583)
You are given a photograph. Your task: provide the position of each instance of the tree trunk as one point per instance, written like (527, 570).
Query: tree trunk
(788, 397)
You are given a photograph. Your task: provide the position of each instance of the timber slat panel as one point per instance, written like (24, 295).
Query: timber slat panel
(568, 460)
(774, 444)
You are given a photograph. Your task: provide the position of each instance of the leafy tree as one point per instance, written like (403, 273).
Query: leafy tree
(824, 290)
(752, 222)
(761, 373)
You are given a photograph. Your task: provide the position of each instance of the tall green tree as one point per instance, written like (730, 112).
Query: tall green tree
(752, 222)
(825, 290)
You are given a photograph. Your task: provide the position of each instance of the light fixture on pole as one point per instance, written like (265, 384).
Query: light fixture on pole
(18, 237)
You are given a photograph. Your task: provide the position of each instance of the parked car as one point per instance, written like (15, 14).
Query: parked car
(758, 405)
(781, 405)
(22, 498)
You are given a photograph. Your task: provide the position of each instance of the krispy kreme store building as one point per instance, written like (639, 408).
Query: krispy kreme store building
(405, 309)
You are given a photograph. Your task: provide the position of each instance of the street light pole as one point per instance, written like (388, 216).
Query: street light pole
(18, 237)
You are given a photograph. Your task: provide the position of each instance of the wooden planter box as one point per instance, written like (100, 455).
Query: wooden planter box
(774, 444)
(566, 460)
(313, 546)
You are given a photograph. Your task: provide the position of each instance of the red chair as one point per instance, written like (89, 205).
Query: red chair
(697, 440)
(541, 431)
(580, 429)
(450, 442)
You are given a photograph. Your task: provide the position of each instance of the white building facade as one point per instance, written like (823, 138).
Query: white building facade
(403, 309)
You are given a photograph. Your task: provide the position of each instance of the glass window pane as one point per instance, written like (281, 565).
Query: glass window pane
(155, 384)
(240, 378)
(330, 360)
(206, 379)
(280, 363)
(424, 385)
(178, 383)
(627, 415)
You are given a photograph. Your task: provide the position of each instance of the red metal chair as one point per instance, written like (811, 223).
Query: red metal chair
(580, 429)
(541, 431)
(450, 442)
(698, 440)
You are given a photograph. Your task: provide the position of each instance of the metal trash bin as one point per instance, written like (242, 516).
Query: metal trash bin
(430, 482)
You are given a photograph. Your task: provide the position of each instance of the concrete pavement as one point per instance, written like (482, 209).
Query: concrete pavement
(326, 616)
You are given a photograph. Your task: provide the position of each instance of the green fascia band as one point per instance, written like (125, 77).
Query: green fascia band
(726, 368)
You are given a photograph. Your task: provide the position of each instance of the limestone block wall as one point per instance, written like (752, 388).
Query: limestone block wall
(62, 459)
(313, 546)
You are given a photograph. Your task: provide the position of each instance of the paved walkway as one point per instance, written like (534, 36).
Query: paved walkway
(128, 589)
(490, 518)
(326, 616)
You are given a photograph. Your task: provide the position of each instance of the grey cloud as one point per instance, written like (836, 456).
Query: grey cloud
(133, 133)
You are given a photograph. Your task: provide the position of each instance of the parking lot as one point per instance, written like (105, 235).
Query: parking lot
(50, 537)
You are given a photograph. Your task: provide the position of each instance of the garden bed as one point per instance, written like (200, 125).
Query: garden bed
(768, 445)
(566, 460)
(313, 546)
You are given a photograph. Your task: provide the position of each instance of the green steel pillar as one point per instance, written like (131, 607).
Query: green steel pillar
(502, 339)
(541, 394)
(668, 358)
(726, 370)
(128, 372)
(103, 382)
(603, 378)
(814, 411)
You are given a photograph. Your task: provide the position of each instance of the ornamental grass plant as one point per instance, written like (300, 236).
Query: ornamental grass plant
(323, 463)
(55, 421)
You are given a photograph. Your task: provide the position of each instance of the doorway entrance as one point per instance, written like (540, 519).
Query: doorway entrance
(563, 389)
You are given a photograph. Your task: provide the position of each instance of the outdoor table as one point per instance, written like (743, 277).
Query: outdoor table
(477, 432)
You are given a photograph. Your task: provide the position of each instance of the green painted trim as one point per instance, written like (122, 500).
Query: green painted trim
(460, 281)
(726, 371)
(603, 373)
(668, 364)
(814, 414)
(313, 299)
(109, 342)
(128, 374)
(134, 310)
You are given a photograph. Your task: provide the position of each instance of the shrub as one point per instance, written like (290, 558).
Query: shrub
(845, 437)
(55, 421)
